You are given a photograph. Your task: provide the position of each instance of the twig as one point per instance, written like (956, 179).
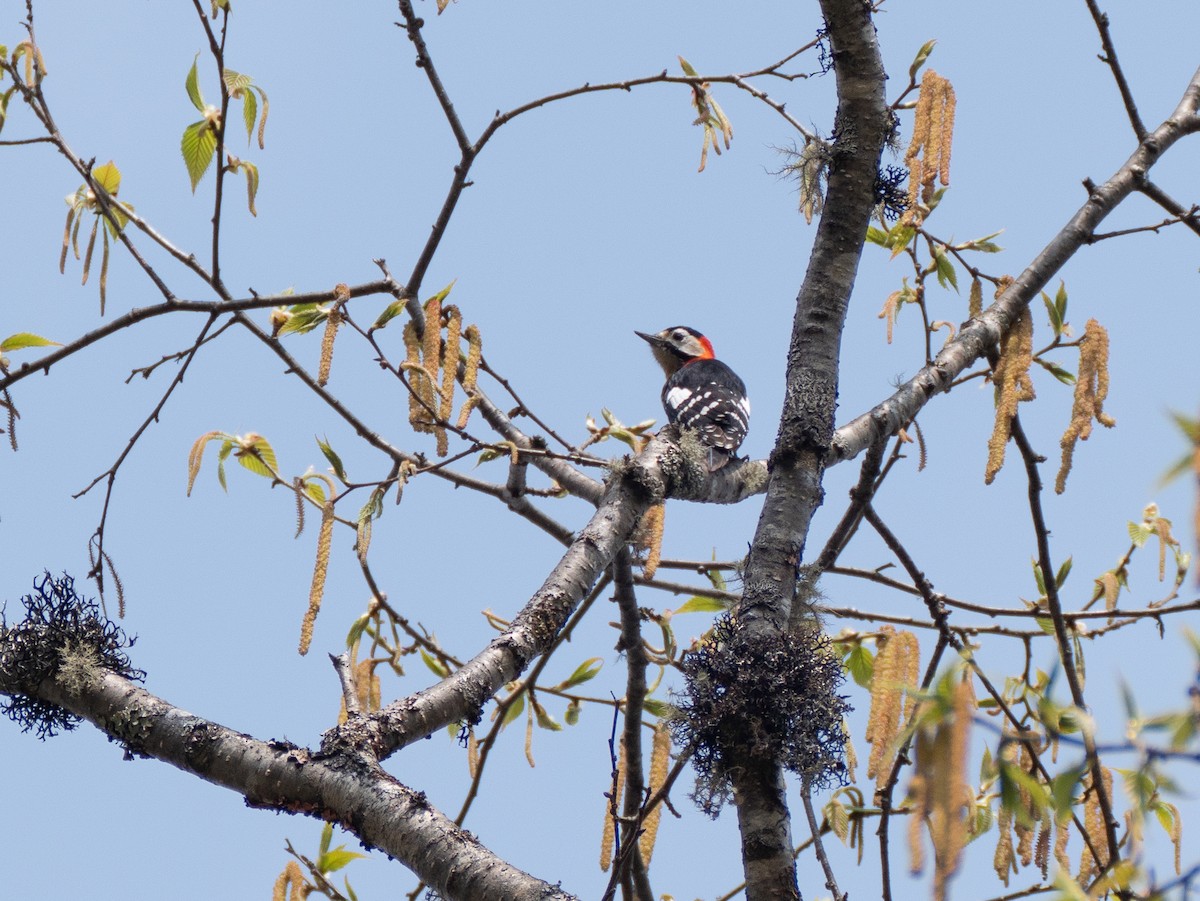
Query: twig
(860, 496)
(1171, 205)
(1109, 58)
(217, 48)
(937, 611)
(97, 572)
(636, 661)
(818, 845)
(345, 673)
(1187, 217)
(1065, 650)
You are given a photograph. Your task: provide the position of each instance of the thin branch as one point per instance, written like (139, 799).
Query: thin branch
(139, 314)
(1171, 205)
(818, 845)
(1187, 217)
(216, 47)
(1065, 649)
(693, 81)
(413, 25)
(146, 371)
(1109, 58)
(110, 475)
(19, 142)
(860, 496)
(631, 644)
(937, 611)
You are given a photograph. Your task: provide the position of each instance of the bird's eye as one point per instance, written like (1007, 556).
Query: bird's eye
(677, 335)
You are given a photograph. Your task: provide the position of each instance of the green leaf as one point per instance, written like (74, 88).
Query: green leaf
(259, 457)
(585, 672)
(877, 236)
(332, 861)
(1178, 468)
(304, 318)
(658, 708)
(326, 839)
(1190, 427)
(315, 489)
(193, 87)
(838, 818)
(987, 765)
(1139, 532)
(356, 630)
(236, 81)
(1063, 375)
(699, 604)
(443, 294)
(1012, 780)
(334, 460)
(251, 171)
(1037, 575)
(108, 177)
(390, 312)
(945, 269)
(687, 68)
(21, 340)
(1130, 702)
(984, 244)
(436, 666)
(1056, 324)
(920, 58)
(1062, 790)
(373, 508)
(489, 454)
(1184, 730)
(572, 714)
(1060, 301)
(1063, 571)
(1166, 817)
(898, 238)
(717, 580)
(515, 709)
(544, 719)
(860, 664)
(249, 113)
(198, 146)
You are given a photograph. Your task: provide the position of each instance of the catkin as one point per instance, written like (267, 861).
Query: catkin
(660, 759)
(320, 570)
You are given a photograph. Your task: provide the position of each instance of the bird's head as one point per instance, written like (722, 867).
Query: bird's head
(676, 346)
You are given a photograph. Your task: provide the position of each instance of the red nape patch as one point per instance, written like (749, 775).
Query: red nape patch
(707, 353)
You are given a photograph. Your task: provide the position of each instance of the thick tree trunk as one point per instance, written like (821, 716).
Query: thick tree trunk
(806, 426)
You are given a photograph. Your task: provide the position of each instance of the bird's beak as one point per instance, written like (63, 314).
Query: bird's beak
(652, 340)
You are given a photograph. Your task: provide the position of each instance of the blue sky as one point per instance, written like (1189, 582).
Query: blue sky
(587, 220)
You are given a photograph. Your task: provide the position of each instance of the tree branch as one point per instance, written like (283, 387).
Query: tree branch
(1109, 58)
(279, 776)
(661, 470)
(984, 331)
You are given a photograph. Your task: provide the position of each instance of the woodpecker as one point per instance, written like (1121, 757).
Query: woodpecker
(701, 392)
